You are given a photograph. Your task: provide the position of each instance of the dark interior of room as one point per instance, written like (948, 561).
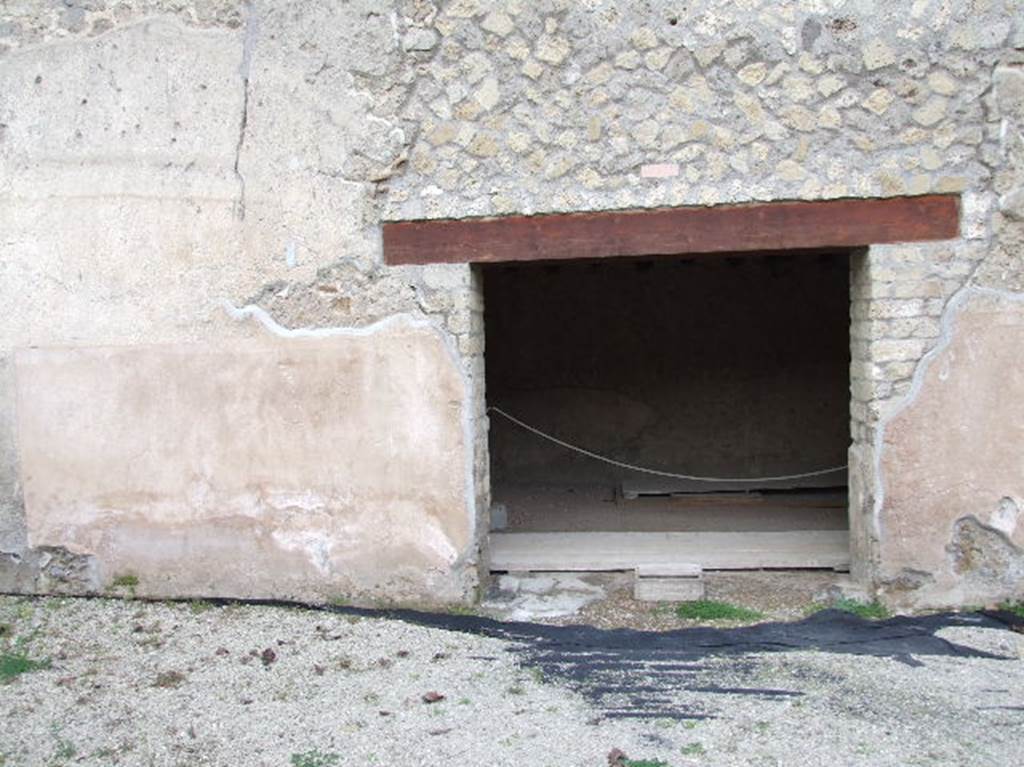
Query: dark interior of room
(730, 366)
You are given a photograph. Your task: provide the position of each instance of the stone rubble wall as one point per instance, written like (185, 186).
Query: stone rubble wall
(532, 107)
(159, 160)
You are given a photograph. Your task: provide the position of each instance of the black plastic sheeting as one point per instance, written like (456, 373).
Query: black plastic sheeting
(661, 675)
(633, 674)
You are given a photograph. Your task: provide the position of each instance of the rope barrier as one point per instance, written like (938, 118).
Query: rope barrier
(658, 472)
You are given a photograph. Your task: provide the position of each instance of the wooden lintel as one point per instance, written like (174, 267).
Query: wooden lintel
(770, 226)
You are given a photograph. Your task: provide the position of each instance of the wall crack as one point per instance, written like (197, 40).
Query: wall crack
(951, 311)
(248, 44)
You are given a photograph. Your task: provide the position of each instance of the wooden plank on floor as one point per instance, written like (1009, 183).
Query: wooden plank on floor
(809, 500)
(633, 489)
(674, 231)
(668, 570)
(710, 550)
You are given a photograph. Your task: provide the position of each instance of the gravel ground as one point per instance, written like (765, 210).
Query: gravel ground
(135, 683)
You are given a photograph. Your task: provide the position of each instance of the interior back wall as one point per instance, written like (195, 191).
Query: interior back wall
(714, 365)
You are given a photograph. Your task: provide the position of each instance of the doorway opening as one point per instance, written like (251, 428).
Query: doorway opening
(786, 416)
(730, 367)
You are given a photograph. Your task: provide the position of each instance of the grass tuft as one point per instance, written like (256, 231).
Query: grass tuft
(125, 582)
(199, 606)
(65, 750)
(1017, 608)
(14, 664)
(168, 679)
(315, 758)
(693, 749)
(867, 610)
(710, 610)
(874, 611)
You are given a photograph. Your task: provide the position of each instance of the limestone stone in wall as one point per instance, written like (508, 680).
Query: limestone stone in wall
(26, 23)
(557, 106)
(1004, 268)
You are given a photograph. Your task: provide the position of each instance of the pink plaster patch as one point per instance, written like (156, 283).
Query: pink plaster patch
(659, 170)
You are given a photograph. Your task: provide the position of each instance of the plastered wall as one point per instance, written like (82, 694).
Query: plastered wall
(161, 162)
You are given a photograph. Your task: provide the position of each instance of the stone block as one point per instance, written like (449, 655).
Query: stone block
(668, 583)
(668, 589)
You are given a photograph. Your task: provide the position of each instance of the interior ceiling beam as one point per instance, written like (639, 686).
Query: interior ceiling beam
(673, 231)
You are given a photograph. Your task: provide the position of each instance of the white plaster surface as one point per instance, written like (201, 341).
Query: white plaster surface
(950, 451)
(308, 467)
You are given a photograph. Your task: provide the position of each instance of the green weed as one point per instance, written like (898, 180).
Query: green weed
(315, 758)
(866, 610)
(14, 664)
(710, 610)
(168, 679)
(125, 582)
(65, 749)
(693, 749)
(1017, 608)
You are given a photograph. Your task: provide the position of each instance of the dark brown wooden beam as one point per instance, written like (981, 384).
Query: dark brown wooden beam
(672, 231)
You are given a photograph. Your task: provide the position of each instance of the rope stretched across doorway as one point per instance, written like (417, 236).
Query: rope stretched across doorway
(658, 472)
